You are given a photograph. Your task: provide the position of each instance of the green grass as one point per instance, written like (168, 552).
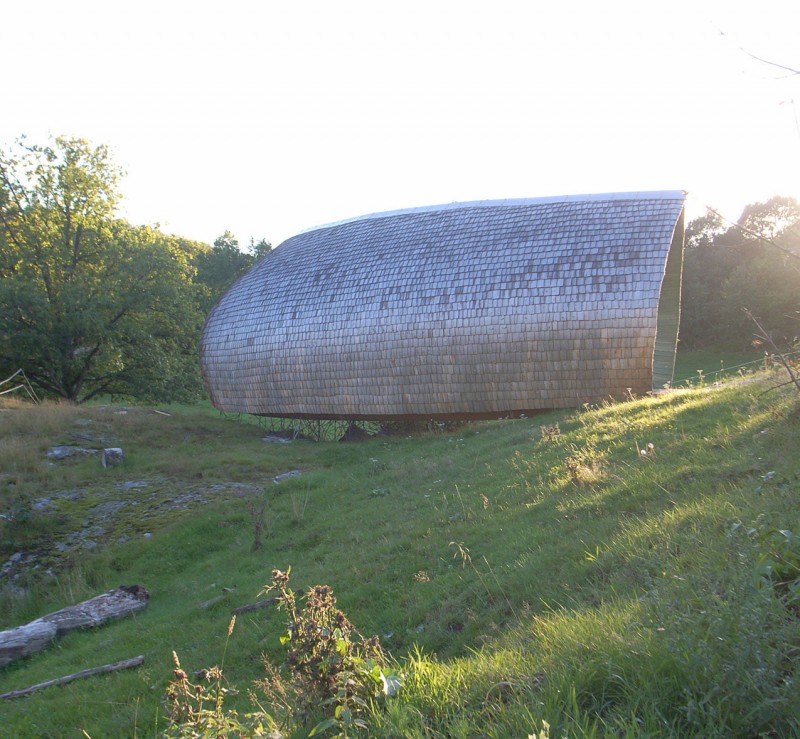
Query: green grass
(521, 572)
(710, 365)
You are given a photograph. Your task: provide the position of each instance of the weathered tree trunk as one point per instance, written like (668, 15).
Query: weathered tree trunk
(25, 640)
(37, 635)
(116, 603)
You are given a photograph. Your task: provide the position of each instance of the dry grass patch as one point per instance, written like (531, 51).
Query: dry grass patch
(21, 418)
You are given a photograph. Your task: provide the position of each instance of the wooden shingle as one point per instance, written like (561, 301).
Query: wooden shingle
(471, 309)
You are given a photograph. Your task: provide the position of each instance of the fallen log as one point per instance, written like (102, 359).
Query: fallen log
(254, 606)
(217, 598)
(121, 601)
(24, 640)
(37, 635)
(124, 665)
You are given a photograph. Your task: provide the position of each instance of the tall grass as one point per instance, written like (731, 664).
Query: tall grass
(592, 570)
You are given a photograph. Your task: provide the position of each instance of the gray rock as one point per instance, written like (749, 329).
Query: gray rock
(107, 509)
(70, 494)
(66, 451)
(286, 476)
(112, 457)
(131, 485)
(16, 563)
(83, 437)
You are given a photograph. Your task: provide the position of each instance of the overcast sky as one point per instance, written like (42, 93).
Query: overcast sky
(267, 118)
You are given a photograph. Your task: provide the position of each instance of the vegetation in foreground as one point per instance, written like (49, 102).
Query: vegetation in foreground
(625, 570)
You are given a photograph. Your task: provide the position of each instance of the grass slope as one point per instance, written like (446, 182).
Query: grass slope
(595, 570)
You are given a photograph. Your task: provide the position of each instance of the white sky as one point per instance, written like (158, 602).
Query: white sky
(266, 118)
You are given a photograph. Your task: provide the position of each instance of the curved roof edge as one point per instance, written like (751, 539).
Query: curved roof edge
(508, 202)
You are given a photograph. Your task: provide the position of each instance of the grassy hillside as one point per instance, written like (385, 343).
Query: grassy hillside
(610, 571)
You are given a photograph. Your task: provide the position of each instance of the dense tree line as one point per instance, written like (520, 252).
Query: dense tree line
(93, 305)
(752, 265)
(89, 303)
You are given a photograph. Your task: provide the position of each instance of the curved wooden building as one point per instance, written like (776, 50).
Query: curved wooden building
(479, 309)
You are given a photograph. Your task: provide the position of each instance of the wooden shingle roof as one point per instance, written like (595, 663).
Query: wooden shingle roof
(470, 309)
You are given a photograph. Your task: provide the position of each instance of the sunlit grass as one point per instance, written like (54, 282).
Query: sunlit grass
(708, 366)
(590, 568)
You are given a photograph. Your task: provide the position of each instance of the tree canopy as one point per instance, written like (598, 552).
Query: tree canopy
(753, 264)
(218, 267)
(90, 304)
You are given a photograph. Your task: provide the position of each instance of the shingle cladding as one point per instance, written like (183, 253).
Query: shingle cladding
(474, 309)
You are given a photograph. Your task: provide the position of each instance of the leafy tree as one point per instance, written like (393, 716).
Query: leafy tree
(701, 309)
(754, 264)
(88, 303)
(259, 248)
(767, 284)
(218, 267)
(769, 220)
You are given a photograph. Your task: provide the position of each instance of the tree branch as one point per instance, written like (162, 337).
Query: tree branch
(765, 336)
(124, 665)
(97, 391)
(757, 235)
(772, 64)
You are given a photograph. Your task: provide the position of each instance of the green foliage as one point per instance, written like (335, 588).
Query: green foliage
(754, 265)
(256, 503)
(21, 526)
(331, 669)
(197, 710)
(698, 368)
(218, 267)
(89, 304)
(331, 665)
(778, 564)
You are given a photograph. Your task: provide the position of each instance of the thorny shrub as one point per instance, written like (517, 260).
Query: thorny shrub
(584, 466)
(330, 666)
(196, 709)
(329, 662)
(549, 432)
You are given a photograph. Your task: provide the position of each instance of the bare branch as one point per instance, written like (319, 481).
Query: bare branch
(123, 665)
(765, 336)
(756, 235)
(771, 63)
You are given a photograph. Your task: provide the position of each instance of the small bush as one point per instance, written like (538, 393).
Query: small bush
(583, 466)
(330, 664)
(330, 667)
(197, 710)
